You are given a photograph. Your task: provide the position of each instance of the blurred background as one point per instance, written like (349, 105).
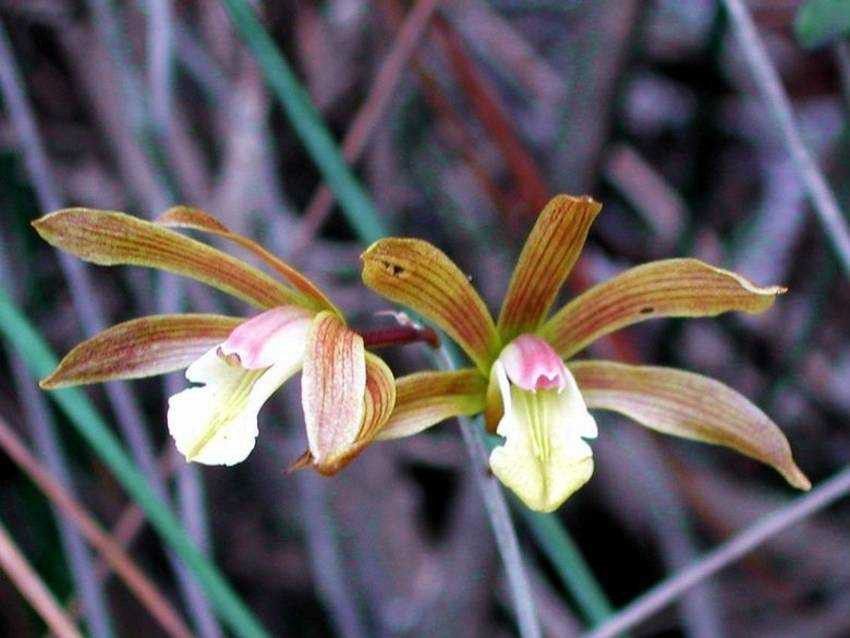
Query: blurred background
(460, 119)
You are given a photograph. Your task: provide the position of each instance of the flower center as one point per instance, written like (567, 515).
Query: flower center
(532, 364)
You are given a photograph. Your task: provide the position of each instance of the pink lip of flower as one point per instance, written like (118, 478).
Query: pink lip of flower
(256, 343)
(532, 364)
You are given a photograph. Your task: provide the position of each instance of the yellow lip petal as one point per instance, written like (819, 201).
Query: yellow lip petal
(668, 288)
(549, 254)
(544, 459)
(688, 405)
(415, 273)
(110, 238)
(216, 422)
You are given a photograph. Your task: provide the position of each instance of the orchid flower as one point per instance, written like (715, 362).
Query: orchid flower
(236, 364)
(531, 392)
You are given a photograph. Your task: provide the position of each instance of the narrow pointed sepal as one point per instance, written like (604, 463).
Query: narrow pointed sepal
(109, 238)
(419, 275)
(688, 405)
(196, 219)
(549, 254)
(667, 288)
(143, 347)
(332, 389)
(424, 399)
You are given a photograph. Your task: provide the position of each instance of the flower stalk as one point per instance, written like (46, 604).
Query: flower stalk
(401, 335)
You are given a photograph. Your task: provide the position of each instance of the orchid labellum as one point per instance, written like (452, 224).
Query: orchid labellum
(532, 394)
(236, 364)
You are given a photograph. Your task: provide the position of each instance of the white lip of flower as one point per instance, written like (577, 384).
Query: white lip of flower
(216, 423)
(544, 458)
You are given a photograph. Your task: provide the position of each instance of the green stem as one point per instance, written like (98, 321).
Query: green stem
(566, 559)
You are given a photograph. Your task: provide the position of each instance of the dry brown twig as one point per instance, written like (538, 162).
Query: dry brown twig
(25, 578)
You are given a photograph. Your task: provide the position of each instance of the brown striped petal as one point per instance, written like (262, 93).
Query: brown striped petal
(109, 238)
(687, 405)
(332, 389)
(547, 258)
(494, 410)
(141, 348)
(196, 219)
(668, 288)
(416, 274)
(379, 400)
(424, 399)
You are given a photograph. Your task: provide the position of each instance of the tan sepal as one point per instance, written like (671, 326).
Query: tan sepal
(424, 399)
(549, 254)
(332, 388)
(142, 347)
(196, 219)
(379, 399)
(109, 238)
(668, 288)
(416, 274)
(687, 405)
(378, 402)
(494, 409)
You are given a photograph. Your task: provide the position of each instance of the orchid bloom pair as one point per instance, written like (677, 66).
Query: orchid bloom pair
(523, 381)
(347, 392)
(520, 381)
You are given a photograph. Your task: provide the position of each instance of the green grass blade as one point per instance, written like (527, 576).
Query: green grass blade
(356, 204)
(88, 423)
(566, 558)
(821, 22)
(569, 564)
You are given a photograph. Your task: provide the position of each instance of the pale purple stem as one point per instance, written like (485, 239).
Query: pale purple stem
(169, 296)
(769, 84)
(699, 607)
(732, 550)
(500, 521)
(324, 554)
